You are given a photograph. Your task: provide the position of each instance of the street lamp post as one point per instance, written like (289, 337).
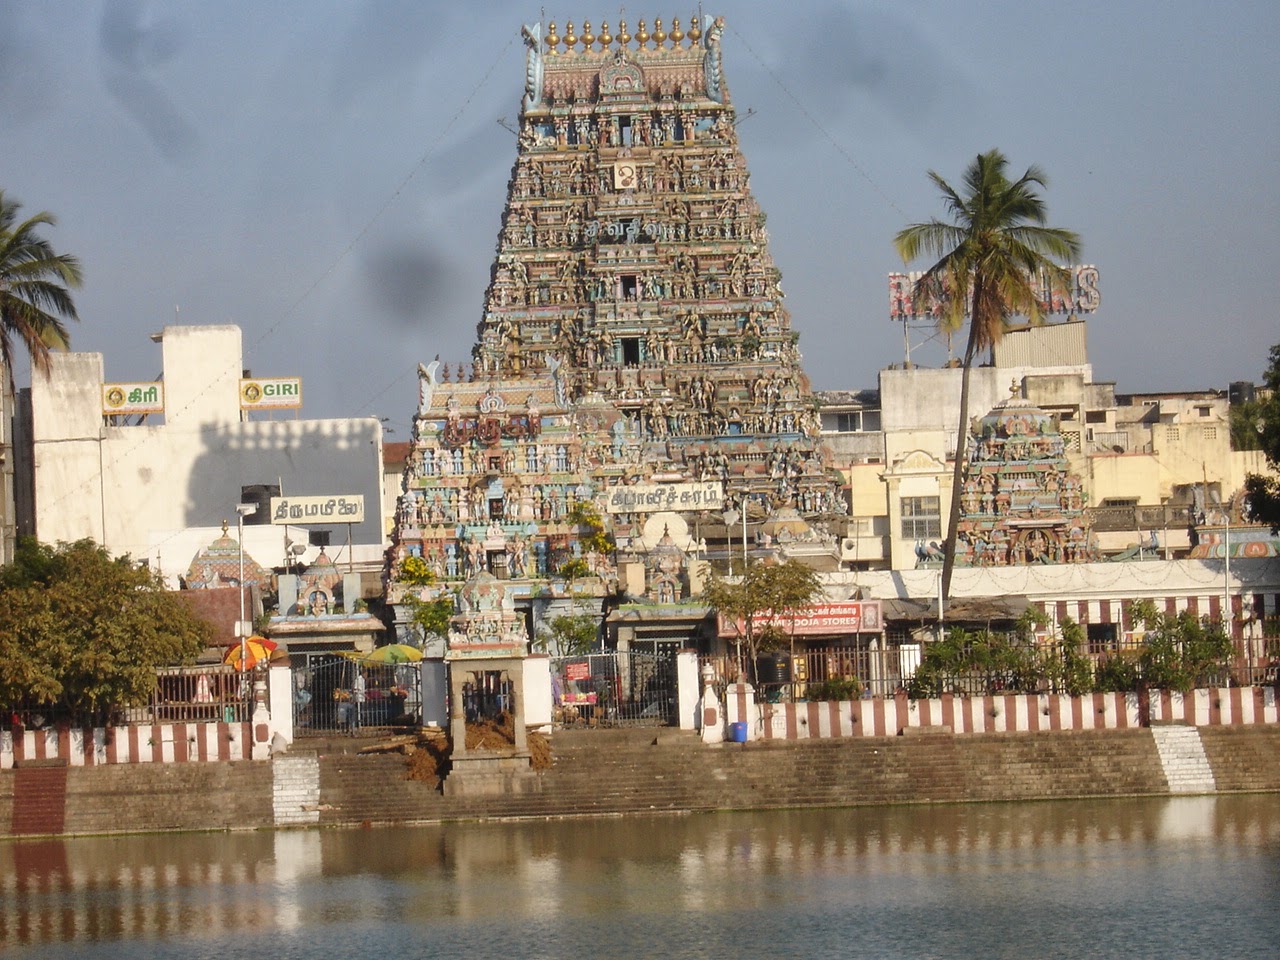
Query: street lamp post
(242, 510)
(1226, 570)
(731, 517)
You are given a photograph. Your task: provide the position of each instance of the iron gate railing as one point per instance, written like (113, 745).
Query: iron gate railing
(338, 694)
(614, 690)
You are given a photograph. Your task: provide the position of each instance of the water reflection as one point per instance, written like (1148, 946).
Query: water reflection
(797, 879)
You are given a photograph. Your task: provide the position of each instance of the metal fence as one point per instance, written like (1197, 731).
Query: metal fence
(334, 694)
(217, 692)
(847, 672)
(614, 689)
(194, 694)
(836, 672)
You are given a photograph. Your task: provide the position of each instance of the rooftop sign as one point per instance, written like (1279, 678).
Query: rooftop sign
(132, 398)
(1082, 297)
(276, 393)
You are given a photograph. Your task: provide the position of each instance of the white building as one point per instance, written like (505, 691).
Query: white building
(158, 485)
(1148, 461)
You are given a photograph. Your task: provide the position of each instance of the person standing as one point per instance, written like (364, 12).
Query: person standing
(357, 699)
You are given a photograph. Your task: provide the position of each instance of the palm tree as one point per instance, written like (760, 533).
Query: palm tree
(987, 261)
(34, 299)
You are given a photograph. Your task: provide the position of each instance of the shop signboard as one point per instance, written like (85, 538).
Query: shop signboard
(820, 619)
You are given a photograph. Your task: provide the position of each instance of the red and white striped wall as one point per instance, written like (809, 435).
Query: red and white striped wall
(1010, 713)
(144, 743)
(1255, 606)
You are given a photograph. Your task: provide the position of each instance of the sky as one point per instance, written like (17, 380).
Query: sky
(331, 175)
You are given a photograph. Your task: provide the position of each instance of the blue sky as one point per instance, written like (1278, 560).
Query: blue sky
(331, 175)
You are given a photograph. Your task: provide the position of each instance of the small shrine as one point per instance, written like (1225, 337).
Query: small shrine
(1021, 503)
(320, 609)
(486, 651)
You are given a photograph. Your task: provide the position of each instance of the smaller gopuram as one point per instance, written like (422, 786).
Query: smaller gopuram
(1021, 502)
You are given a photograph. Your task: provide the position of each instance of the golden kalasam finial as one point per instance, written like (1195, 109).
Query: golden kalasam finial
(695, 32)
(588, 38)
(604, 37)
(623, 37)
(676, 33)
(569, 38)
(552, 40)
(659, 35)
(642, 35)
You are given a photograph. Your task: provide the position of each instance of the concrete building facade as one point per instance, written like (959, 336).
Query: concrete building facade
(158, 486)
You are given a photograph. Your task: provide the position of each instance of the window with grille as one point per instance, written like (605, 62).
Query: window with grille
(852, 421)
(921, 518)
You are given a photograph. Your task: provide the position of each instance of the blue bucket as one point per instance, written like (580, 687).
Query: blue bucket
(737, 733)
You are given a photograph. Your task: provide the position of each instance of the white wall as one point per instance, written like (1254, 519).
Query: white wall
(132, 488)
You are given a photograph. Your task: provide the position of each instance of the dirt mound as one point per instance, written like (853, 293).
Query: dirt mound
(427, 754)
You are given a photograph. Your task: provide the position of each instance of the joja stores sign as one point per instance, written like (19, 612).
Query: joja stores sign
(821, 619)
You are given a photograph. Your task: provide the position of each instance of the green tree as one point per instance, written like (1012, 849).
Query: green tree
(997, 662)
(593, 536)
(987, 260)
(430, 616)
(760, 602)
(1176, 652)
(1263, 491)
(571, 636)
(34, 282)
(83, 631)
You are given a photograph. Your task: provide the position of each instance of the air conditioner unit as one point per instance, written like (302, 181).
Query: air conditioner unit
(848, 549)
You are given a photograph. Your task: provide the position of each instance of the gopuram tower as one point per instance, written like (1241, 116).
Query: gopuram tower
(634, 363)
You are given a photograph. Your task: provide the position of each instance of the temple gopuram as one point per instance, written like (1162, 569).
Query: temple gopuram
(1021, 503)
(635, 396)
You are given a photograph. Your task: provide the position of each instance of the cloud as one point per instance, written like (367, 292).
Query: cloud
(406, 281)
(131, 46)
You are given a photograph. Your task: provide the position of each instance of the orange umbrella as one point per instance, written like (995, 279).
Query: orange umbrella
(256, 649)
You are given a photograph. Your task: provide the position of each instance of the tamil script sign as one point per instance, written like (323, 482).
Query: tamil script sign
(1082, 295)
(821, 619)
(276, 393)
(652, 497)
(348, 508)
(132, 398)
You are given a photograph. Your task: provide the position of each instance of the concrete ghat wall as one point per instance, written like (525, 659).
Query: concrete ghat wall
(144, 743)
(1012, 713)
